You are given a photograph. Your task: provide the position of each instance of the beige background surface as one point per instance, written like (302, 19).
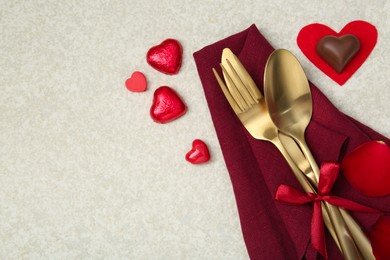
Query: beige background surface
(86, 174)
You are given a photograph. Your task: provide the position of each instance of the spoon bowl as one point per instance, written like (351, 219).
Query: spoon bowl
(287, 93)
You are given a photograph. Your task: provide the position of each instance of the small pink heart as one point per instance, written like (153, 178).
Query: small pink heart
(137, 82)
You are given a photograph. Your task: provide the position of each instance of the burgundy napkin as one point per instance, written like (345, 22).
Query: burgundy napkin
(275, 230)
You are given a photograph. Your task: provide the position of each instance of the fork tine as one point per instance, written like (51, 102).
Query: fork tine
(228, 96)
(240, 85)
(233, 90)
(243, 74)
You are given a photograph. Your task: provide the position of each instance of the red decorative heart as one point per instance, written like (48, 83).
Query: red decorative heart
(380, 238)
(199, 153)
(311, 34)
(167, 105)
(166, 57)
(137, 82)
(367, 169)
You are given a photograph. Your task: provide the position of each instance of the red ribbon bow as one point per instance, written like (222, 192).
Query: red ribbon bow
(328, 175)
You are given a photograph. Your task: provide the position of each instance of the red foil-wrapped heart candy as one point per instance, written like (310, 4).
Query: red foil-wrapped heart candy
(199, 153)
(166, 57)
(167, 105)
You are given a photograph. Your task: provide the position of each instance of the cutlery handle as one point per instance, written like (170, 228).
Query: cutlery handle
(360, 238)
(307, 187)
(350, 235)
(347, 243)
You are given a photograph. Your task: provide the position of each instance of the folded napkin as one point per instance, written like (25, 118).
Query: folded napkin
(275, 230)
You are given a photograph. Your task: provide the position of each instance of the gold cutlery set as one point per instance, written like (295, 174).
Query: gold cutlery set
(281, 117)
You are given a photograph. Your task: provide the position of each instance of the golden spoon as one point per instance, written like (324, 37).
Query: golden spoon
(289, 102)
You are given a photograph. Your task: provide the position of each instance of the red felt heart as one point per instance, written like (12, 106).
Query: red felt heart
(137, 82)
(367, 169)
(167, 105)
(311, 34)
(199, 153)
(166, 57)
(380, 238)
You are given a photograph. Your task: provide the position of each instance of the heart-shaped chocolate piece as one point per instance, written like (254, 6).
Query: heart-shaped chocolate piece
(167, 105)
(166, 57)
(137, 82)
(338, 51)
(199, 153)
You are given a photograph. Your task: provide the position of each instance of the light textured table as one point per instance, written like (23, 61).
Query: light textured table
(86, 174)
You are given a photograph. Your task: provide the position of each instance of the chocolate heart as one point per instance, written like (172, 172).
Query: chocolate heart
(311, 34)
(167, 105)
(199, 153)
(338, 52)
(137, 82)
(166, 57)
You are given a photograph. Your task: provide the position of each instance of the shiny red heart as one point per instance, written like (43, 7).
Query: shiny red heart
(367, 169)
(137, 82)
(199, 153)
(167, 105)
(380, 238)
(166, 57)
(311, 34)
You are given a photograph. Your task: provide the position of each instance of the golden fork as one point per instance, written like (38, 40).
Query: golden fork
(249, 105)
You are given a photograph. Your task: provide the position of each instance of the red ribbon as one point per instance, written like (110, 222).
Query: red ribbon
(328, 175)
